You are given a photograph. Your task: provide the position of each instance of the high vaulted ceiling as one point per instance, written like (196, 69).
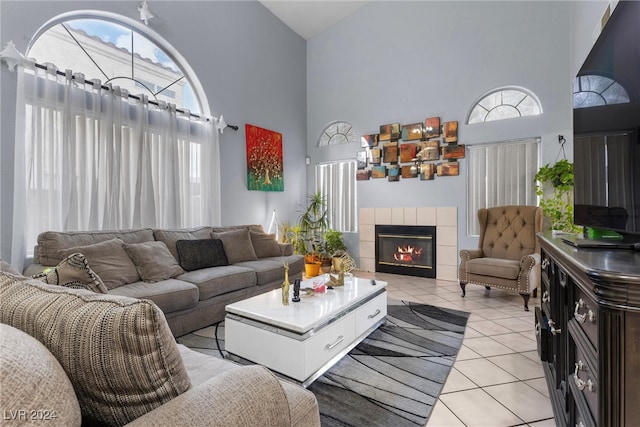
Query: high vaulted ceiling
(310, 17)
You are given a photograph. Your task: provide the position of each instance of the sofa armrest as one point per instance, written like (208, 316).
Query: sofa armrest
(33, 269)
(286, 249)
(467, 254)
(529, 277)
(249, 395)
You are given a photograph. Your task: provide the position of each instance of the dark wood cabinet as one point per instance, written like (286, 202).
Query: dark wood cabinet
(588, 332)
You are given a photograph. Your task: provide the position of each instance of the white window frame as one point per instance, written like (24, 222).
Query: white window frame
(495, 170)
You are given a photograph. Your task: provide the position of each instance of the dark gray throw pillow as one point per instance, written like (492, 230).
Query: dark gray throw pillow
(201, 253)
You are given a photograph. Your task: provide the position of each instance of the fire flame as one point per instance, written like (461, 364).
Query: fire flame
(407, 253)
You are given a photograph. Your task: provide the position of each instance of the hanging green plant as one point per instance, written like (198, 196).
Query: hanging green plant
(554, 185)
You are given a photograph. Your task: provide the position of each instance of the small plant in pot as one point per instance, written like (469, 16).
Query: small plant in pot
(554, 185)
(334, 247)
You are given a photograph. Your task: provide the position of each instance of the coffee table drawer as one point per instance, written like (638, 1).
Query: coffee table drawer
(328, 343)
(370, 313)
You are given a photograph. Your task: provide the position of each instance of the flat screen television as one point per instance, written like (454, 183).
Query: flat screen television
(606, 119)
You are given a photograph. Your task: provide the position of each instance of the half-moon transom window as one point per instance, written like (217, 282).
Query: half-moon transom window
(113, 52)
(504, 103)
(592, 90)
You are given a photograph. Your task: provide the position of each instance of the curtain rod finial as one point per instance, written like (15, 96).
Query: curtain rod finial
(11, 56)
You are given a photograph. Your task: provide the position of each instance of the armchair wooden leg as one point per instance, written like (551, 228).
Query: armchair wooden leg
(463, 286)
(487, 287)
(526, 301)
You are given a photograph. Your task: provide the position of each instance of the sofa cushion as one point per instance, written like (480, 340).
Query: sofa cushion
(118, 352)
(201, 253)
(496, 267)
(73, 272)
(32, 380)
(237, 245)
(153, 261)
(296, 262)
(265, 245)
(216, 281)
(109, 261)
(169, 295)
(267, 270)
(52, 245)
(170, 237)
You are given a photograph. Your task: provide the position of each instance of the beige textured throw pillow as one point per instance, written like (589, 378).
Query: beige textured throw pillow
(118, 352)
(265, 245)
(237, 245)
(73, 272)
(153, 261)
(109, 261)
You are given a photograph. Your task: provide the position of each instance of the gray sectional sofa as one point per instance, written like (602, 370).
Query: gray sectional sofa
(152, 267)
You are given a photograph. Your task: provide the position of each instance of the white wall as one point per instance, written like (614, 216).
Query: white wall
(252, 68)
(406, 61)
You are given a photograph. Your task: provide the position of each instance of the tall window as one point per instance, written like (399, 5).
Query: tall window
(500, 174)
(95, 158)
(504, 103)
(336, 181)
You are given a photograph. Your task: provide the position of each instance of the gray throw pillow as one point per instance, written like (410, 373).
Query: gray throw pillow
(201, 253)
(237, 245)
(109, 261)
(265, 245)
(153, 261)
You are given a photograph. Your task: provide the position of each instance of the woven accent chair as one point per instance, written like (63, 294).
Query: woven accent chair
(508, 254)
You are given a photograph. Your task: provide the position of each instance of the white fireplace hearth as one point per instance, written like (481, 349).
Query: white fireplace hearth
(445, 219)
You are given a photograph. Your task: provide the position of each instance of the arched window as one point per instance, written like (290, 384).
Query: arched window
(592, 90)
(107, 48)
(504, 103)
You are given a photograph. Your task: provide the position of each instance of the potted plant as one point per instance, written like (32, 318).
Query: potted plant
(554, 185)
(313, 223)
(335, 247)
(292, 234)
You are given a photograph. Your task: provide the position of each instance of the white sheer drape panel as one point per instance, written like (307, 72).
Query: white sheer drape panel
(97, 159)
(500, 174)
(336, 181)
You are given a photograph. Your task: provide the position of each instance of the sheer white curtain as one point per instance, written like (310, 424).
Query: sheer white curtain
(95, 159)
(336, 181)
(500, 174)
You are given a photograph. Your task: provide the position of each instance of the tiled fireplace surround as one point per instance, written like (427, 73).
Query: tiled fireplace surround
(445, 219)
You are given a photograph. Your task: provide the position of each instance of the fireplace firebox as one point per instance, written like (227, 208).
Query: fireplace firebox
(406, 249)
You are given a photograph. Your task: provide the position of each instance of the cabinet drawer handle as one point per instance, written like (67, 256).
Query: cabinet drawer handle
(581, 318)
(537, 329)
(545, 264)
(338, 341)
(580, 424)
(581, 384)
(545, 296)
(371, 316)
(552, 329)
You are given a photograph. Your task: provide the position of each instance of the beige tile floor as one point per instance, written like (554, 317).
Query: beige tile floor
(497, 378)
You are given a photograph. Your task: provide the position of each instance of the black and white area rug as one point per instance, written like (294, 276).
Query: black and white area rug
(392, 378)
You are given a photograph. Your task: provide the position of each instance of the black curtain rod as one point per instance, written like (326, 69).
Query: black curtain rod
(180, 110)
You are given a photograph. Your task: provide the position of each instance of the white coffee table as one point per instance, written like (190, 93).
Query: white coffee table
(304, 339)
